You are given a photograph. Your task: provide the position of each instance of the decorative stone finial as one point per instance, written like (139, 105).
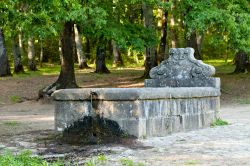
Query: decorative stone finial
(182, 70)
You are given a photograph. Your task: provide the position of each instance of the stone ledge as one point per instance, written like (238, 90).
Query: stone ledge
(131, 94)
(194, 82)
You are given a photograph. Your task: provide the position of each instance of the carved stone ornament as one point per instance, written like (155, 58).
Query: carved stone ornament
(182, 70)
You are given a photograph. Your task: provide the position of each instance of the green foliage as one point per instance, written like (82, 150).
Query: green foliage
(224, 24)
(191, 162)
(128, 162)
(100, 160)
(11, 123)
(24, 159)
(15, 99)
(226, 20)
(219, 122)
(244, 101)
(221, 65)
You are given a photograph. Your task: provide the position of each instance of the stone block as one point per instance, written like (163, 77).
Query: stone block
(67, 112)
(134, 126)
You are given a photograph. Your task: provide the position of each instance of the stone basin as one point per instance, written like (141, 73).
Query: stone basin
(180, 95)
(141, 112)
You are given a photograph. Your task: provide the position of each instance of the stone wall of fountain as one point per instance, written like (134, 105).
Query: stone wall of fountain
(180, 96)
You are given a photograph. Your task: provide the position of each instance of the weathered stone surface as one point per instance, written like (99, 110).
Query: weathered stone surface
(69, 112)
(128, 94)
(181, 96)
(153, 112)
(182, 70)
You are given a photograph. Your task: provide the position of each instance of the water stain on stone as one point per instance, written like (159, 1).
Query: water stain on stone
(94, 130)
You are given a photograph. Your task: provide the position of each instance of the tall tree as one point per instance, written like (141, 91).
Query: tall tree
(82, 60)
(150, 51)
(163, 41)
(241, 62)
(31, 55)
(100, 57)
(4, 62)
(192, 41)
(173, 25)
(41, 53)
(18, 67)
(117, 55)
(66, 78)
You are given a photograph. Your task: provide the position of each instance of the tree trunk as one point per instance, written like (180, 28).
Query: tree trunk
(199, 40)
(88, 49)
(150, 52)
(173, 32)
(20, 42)
(18, 67)
(163, 43)
(60, 49)
(100, 60)
(4, 62)
(117, 55)
(67, 74)
(66, 77)
(41, 53)
(193, 42)
(82, 60)
(31, 55)
(242, 62)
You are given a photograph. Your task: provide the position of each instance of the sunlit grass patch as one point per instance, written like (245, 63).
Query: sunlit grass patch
(11, 123)
(95, 161)
(191, 162)
(25, 158)
(47, 69)
(244, 101)
(128, 162)
(221, 66)
(219, 122)
(15, 99)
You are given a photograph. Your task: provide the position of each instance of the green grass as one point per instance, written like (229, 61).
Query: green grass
(15, 99)
(128, 162)
(11, 123)
(220, 65)
(100, 160)
(219, 122)
(244, 101)
(24, 159)
(191, 162)
(47, 69)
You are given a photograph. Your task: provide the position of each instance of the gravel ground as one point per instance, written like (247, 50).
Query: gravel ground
(221, 145)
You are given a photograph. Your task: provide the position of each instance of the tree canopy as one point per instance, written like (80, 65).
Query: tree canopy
(127, 25)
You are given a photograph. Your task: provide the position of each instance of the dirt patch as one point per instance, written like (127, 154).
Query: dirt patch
(235, 89)
(26, 116)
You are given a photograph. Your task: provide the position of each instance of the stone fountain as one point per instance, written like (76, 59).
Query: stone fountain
(181, 95)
